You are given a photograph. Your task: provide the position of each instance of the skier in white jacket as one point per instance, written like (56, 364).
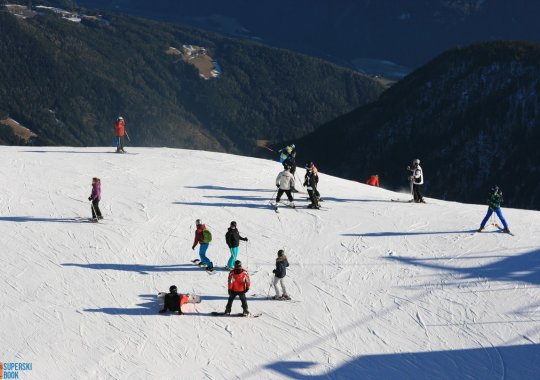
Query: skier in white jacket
(284, 183)
(417, 180)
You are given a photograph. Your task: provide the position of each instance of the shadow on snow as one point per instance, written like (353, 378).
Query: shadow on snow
(412, 233)
(23, 219)
(523, 267)
(210, 187)
(139, 268)
(485, 363)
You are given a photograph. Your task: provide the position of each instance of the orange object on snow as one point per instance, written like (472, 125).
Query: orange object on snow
(373, 180)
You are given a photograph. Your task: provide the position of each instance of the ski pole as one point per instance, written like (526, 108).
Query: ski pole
(273, 197)
(127, 136)
(269, 287)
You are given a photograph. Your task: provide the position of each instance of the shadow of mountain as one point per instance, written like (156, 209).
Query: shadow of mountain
(139, 268)
(485, 363)
(23, 219)
(150, 307)
(389, 234)
(511, 268)
(210, 187)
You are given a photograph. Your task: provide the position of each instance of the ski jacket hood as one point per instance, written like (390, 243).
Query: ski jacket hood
(285, 180)
(239, 281)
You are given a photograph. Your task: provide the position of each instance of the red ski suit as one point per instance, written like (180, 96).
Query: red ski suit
(239, 281)
(373, 180)
(120, 128)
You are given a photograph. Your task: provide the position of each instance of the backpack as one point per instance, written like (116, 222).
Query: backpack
(207, 236)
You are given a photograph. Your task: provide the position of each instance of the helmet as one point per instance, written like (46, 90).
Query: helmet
(280, 253)
(416, 161)
(309, 164)
(173, 289)
(495, 189)
(198, 222)
(238, 264)
(286, 166)
(120, 118)
(292, 146)
(233, 224)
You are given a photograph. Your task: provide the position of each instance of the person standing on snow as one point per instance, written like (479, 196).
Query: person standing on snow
(120, 131)
(232, 238)
(203, 237)
(291, 162)
(416, 179)
(174, 301)
(284, 183)
(95, 197)
(285, 152)
(279, 276)
(373, 180)
(238, 284)
(310, 182)
(494, 202)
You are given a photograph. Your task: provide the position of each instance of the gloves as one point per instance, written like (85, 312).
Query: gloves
(193, 248)
(230, 292)
(247, 290)
(245, 239)
(89, 198)
(274, 271)
(277, 185)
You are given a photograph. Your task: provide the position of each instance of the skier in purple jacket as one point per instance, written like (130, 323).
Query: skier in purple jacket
(95, 197)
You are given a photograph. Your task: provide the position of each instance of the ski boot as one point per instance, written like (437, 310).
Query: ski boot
(286, 297)
(480, 229)
(210, 269)
(506, 230)
(245, 313)
(291, 204)
(277, 298)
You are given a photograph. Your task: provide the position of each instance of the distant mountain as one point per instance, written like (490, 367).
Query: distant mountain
(350, 32)
(67, 76)
(472, 116)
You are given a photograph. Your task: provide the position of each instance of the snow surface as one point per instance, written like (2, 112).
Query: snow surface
(382, 290)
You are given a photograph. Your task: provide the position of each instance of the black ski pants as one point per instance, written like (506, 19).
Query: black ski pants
(313, 196)
(120, 144)
(280, 193)
(416, 193)
(96, 212)
(232, 296)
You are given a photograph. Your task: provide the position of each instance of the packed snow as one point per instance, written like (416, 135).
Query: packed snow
(380, 289)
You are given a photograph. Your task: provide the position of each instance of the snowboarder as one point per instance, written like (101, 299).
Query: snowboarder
(95, 197)
(373, 180)
(174, 301)
(494, 202)
(120, 131)
(416, 179)
(310, 182)
(279, 276)
(232, 237)
(284, 183)
(238, 285)
(203, 237)
(285, 152)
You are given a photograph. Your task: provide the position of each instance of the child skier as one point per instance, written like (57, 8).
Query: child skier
(373, 180)
(174, 301)
(310, 182)
(232, 237)
(238, 285)
(203, 238)
(120, 131)
(279, 276)
(494, 202)
(416, 179)
(284, 183)
(95, 197)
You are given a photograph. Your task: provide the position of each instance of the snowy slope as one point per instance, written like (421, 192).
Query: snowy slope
(385, 290)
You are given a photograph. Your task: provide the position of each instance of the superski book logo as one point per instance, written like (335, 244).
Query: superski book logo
(14, 370)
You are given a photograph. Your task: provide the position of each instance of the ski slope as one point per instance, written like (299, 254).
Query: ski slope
(381, 289)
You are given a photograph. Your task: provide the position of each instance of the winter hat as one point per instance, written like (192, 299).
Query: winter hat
(238, 264)
(233, 224)
(120, 118)
(280, 253)
(173, 289)
(198, 222)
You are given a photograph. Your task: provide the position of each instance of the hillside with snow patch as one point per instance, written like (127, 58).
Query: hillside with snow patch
(380, 289)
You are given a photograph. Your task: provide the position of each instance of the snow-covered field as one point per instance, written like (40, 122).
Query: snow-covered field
(381, 290)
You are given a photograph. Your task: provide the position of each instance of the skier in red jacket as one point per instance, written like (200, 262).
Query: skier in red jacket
(373, 180)
(238, 285)
(120, 130)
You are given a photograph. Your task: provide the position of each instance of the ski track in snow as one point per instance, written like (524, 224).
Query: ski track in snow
(386, 289)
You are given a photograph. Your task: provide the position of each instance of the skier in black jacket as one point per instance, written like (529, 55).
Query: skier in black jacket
(310, 181)
(279, 275)
(174, 301)
(232, 237)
